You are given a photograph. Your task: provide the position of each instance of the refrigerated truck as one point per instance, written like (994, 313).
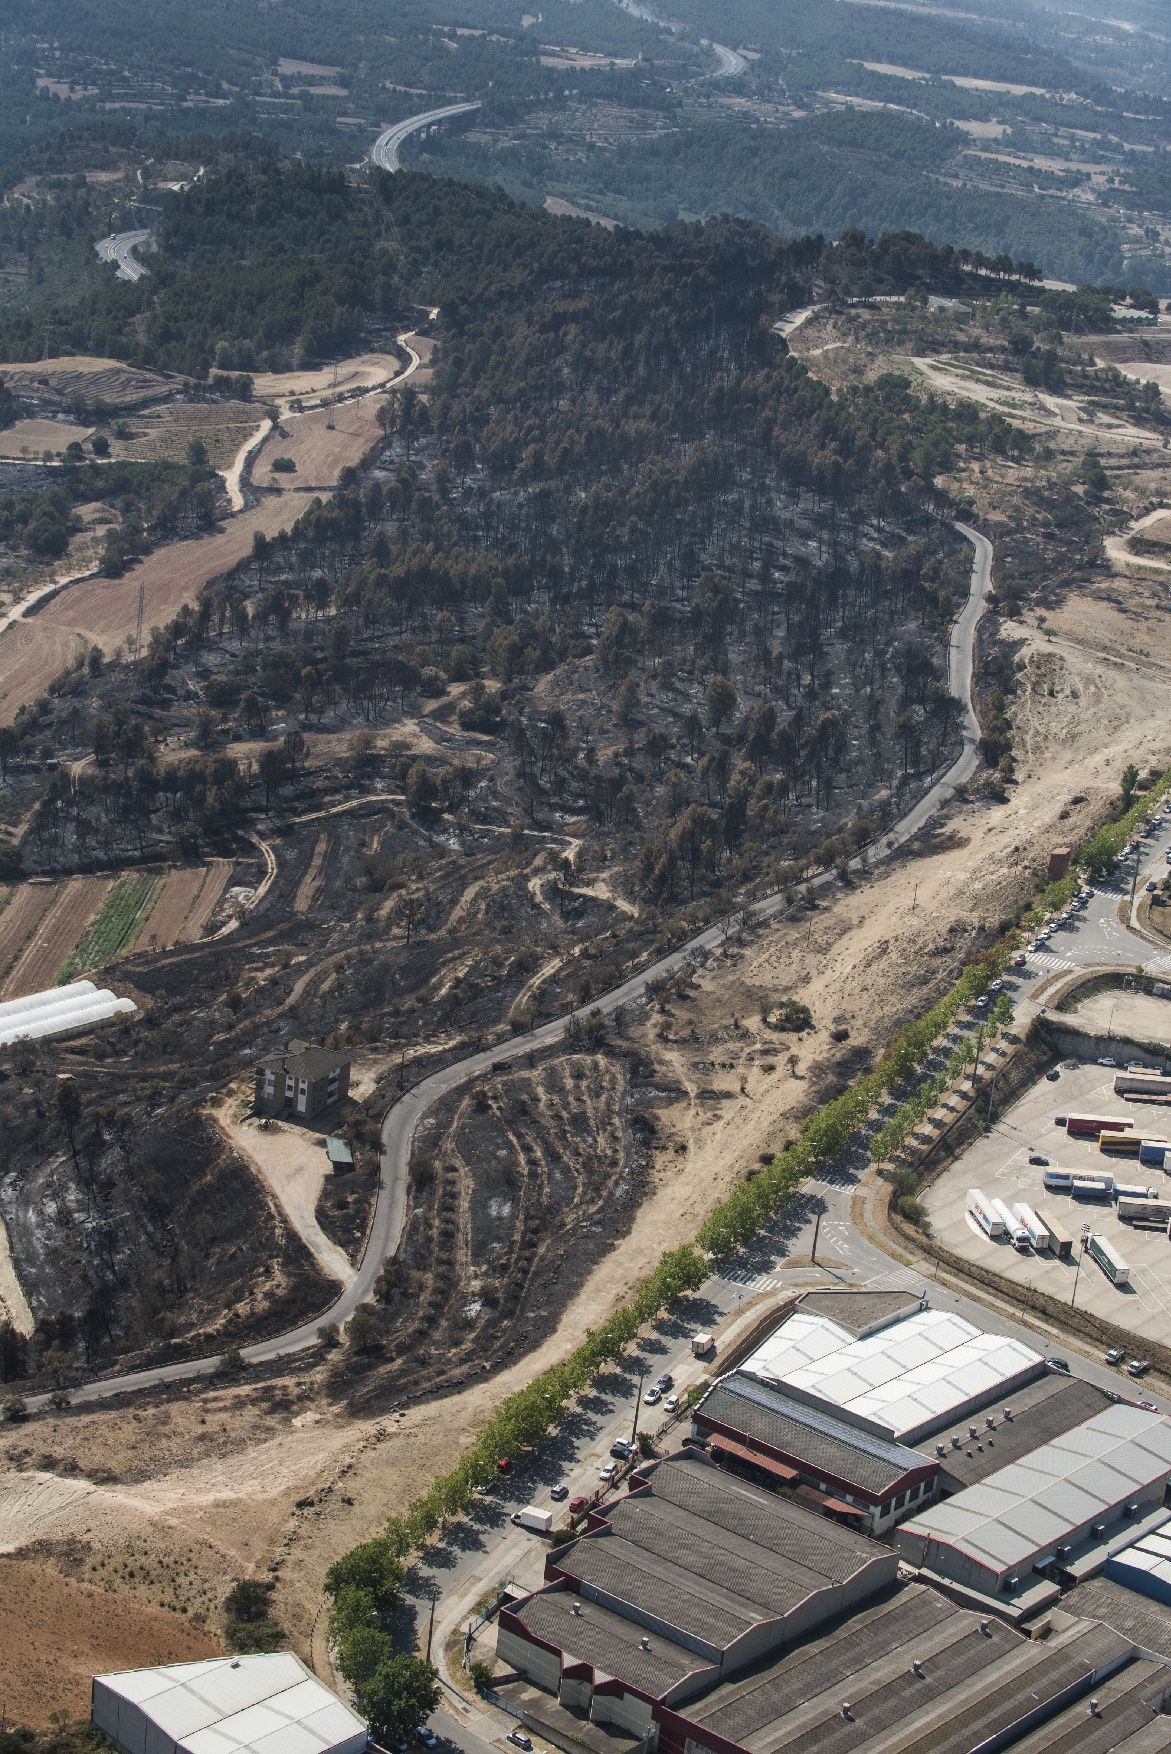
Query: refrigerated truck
(1058, 1181)
(1108, 1258)
(1145, 1214)
(1134, 1191)
(985, 1213)
(1014, 1229)
(1154, 1152)
(1037, 1233)
(1060, 1241)
(1090, 1126)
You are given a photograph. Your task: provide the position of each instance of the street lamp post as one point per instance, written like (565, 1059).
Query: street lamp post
(1084, 1244)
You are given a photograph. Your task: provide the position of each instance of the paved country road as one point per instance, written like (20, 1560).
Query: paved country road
(385, 150)
(402, 1119)
(119, 248)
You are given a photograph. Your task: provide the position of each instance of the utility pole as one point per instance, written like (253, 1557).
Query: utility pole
(816, 1231)
(1077, 1270)
(637, 1405)
(431, 1625)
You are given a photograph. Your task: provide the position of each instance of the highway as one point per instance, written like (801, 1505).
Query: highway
(402, 1119)
(729, 63)
(385, 150)
(119, 248)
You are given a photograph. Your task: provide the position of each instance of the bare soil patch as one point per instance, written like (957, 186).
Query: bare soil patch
(292, 1164)
(309, 887)
(57, 1633)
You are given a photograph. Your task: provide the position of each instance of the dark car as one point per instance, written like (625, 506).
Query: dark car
(1035, 1157)
(1060, 1120)
(1060, 1364)
(622, 1448)
(519, 1739)
(665, 1382)
(1053, 1076)
(557, 1493)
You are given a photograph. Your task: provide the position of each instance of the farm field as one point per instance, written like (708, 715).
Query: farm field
(60, 928)
(68, 376)
(25, 908)
(164, 433)
(56, 931)
(320, 455)
(364, 371)
(32, 438)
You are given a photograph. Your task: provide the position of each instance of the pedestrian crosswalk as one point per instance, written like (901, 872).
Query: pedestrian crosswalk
(1048, 963)
(750, 1280)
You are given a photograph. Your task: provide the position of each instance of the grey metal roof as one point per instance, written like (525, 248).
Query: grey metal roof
(653, 1583)
(1030, 1506)
(825, 1444)
(1141, 1618)
(775, 1525)
(975, 1678)
(860, 1312)
(1128, 1718)
(608, 1642)
(1040, 1411)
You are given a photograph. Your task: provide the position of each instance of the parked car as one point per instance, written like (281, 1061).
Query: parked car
(576, 1504)
(558, 1493)
(503, 1465)
(665, 1382)
(608, 1470)
(671, 1403)
(995, 986)
(1107, 1061)
(1053, 1075)
(1060, 1120)
(1115, 1355)
(1036, 1157)
(519, 1740)
(981, 1002)
(1148, 1406)
(427, 1736)
(622, 1448)
(652, 1396)
(1138, 1367)
(1061, 1364)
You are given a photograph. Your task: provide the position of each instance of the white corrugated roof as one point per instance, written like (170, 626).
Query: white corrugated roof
(267, 1704)
(903, 1380)
(1026, 1509)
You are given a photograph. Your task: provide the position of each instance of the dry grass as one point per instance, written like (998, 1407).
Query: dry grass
(32, 438)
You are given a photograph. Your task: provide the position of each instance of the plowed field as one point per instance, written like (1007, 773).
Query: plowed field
(28, 907)
(57, 936)
(185, 905)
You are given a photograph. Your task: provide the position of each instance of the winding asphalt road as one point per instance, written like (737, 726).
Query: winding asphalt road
(402, 1119)
(385, 150)
(729, 62)
(119, 249)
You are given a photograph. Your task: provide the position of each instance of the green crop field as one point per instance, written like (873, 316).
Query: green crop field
(114, 932)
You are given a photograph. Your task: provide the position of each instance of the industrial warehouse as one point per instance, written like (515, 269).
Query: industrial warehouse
(802, 1577)
(260, 1704)
(903, 1382)
(1060, 1510)
(703, 1613)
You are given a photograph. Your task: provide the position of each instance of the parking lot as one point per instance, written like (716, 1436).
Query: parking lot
(998, 1164)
